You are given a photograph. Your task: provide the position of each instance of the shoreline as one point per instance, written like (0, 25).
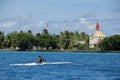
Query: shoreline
(91, 51)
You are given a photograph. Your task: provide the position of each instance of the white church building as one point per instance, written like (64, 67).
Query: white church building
(96, 37)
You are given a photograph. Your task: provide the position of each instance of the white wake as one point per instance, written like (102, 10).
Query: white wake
(34, 63)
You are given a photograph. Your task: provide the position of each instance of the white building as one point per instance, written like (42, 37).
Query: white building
(96, 37)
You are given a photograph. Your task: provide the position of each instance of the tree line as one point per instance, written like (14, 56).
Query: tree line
(63, 41)
(110, 43)
(43, 41)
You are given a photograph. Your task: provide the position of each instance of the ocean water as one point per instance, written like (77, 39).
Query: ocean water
(59, 66)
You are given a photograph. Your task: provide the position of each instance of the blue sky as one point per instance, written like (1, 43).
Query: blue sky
(61, 15)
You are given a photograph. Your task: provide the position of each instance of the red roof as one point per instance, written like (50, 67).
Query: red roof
(96, 43)
(97, 27)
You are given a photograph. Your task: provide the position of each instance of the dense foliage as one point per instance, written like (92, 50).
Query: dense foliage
(43, 41)
(46, 41)
(110, 43)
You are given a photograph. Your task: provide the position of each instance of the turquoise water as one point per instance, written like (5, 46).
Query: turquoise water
(82, 66)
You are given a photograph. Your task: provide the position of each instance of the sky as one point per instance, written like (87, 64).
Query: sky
(60, 15)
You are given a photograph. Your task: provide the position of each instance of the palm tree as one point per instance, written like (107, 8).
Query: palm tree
(45, 31)
(1, 39)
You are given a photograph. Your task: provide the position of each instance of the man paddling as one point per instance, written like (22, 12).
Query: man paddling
(40, 59)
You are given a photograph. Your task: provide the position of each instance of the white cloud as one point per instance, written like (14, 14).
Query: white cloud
(24, 28)
(90, 14)
(16, 23)
(87, 23)
(26, 23)
(91, 27)
(80, 25)
(42, 24)
(23, 17)
(84, 21)
(7, 24)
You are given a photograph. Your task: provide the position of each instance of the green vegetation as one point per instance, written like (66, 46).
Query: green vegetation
(110, 43)
(44, 41)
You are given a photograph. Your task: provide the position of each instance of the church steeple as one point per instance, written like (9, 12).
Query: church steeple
(96, 37)
(97, 26)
